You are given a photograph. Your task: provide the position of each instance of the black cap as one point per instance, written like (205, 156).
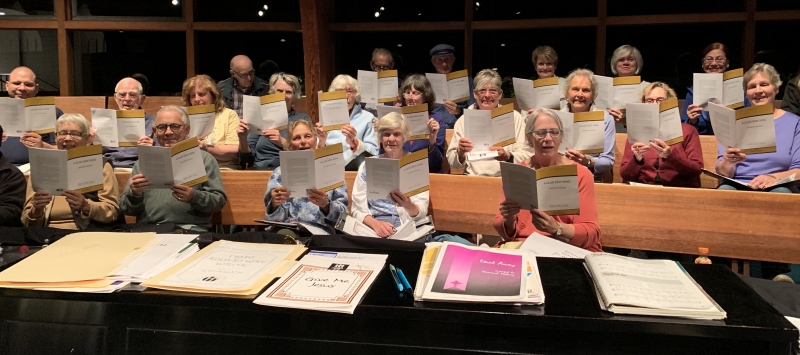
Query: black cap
(442, 49)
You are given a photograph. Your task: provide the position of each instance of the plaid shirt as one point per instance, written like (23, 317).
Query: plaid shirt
(236, 97)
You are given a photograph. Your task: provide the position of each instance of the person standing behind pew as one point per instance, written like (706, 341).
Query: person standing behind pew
(761, 171)
(316, 206)
(679, 165)
(544, 132)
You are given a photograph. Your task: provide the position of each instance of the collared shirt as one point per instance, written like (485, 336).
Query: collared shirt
(236, 97)
(125, 157)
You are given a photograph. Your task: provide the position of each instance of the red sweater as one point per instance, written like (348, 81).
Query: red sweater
(681, 169)
(587, 227)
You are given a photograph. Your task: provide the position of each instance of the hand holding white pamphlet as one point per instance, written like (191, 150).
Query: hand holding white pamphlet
(56, 171)
(553, 189)
(409, 174)
(181, 164)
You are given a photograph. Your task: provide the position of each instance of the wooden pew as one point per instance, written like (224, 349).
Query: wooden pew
(707, 143)
(448, 135)
(80, 104)
(151, 104)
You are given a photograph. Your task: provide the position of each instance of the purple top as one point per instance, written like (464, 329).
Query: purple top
(786, 156)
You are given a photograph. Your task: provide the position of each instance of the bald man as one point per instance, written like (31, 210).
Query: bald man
(243, 81)
(129, 96)
(22, 84)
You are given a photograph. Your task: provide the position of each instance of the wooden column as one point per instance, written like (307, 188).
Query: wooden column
(749, 45)
(66, 73)
(317, 50)
(191, 51)
(600, 49)
(468, 11)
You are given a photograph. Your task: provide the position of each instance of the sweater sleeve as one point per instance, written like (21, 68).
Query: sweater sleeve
(338, 204)
(28, 208)
(605, 161)
(688, 165)
(436, 155)
(499, 223)
(421, 200)
(369, 142)
(231, 124)
(282, 213)
(12, 196)
(106, 210)
(210, 197)
(129, 204)
(360, 207)
(587, 226)
(452, 149)
(629, 169)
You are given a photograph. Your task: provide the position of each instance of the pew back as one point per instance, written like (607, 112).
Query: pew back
(80, 104)
(151, 104)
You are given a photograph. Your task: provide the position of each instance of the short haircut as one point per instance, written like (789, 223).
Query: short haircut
(288, 79)
(421, 83)
(76, 118)
(623, 51)
(534, 116)
(294, 125)
(205, 82)
(547, 53)
(341, 81)
(178, 109)
(488, 76)
(384, 52)
(138, 85)
(580, 72)
(658, 84)
(763, 68)
(392, 120)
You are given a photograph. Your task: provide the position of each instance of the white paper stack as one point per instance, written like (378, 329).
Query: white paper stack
(165, 251)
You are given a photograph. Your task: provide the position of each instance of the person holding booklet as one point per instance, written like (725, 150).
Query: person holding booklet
(443, 58)
(416, 90)
(357, 137)
(761, 171)
(263, 150)
(189, 208)
(488, 93)
(73, 210)
(715, 60)
(12, 192)
(544, 132)
(223, 142)
(658, 163)
(128, 95)
(316, 206)
(580, 92)
(625, 61)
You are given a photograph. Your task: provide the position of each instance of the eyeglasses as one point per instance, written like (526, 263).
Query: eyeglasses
(376, 67)
(132, 95)
(73, 134)
(657, 100)
(412, 93)
(710, 60)
(245, 75)
(491, 92)
(541, 133)
(27, 84)
(174, 127)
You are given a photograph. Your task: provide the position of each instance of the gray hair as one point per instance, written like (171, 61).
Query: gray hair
(580, 72)
(623, 51)
(383, 52)
(488, 76)
(138, 85)
(288, 79)
(421, 83)
(75, 118)
(184, 116)
(392, 120)
(341, 81)
(764, 68)
(534, 116)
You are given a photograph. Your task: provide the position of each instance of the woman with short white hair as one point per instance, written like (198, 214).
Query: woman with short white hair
(73, 210)
(487, 94)
(580, 92)
(358, 136)
(625, 61)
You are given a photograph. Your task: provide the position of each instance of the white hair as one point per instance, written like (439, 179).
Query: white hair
(341, 81)
(178, 109)
(623, 51)
(581, 72)
(392, 120)
(76, 118)
(138, 85)
(535, 115)
(487, 76)
(763, 68)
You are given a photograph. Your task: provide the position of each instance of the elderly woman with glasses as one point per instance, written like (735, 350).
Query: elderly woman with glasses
(715, 60)
(357, 137)
(487, 93)
(761, 171)
(580, 92)
(223, 142)
(187, 207)
(73, 210)
(514, 222)
(416, 90)
(263, 150)
(657, 163)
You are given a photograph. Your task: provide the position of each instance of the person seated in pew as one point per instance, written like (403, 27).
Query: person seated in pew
(12, 191)
(488, 94)
(128, 95)
(416, 89)
(791, 97)
(715, 60)
(358, 137)
(545, 62)
(762, 170)
(243, 81)
(316, 206)
(22, 84)
(189, 208)
(443, 58)
(262, 151)
(544, 132)
(74, 210)
(678, 165)
(580, 92)
(223, 142)
(625, 61)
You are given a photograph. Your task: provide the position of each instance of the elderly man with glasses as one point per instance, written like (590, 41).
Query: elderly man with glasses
(129, 96)
(243, 81)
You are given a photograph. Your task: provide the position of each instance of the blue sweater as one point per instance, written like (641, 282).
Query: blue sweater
(703, 123)
(300, 209)
(263, 152)
(363, 122)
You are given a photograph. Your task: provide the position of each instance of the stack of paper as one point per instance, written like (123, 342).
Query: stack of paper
(228, 268)
(408, 231)
(546, 247)
(165, 251)
(77, 261)
(459, 273)
(330, 282)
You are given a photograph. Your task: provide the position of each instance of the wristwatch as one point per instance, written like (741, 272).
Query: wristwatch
(560, 229)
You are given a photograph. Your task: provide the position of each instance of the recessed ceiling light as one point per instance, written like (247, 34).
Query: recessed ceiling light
(283, 40)
(266, 7)
(477, 4)
(419, 14)
(260, 13)
(399, 45)
(175, 2)
(518, 12)
(2, 13)
(377, 14)
(495, 69)
(381, 8)
(502, 44)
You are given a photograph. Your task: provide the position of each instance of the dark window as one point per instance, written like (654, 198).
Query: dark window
(247, 11)
(518, 10)
(102, 58)
(773, 5)
(637, 7)
(398, 10)
(36, 49)
(27, 8)
(772, 48)
(138, 8)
